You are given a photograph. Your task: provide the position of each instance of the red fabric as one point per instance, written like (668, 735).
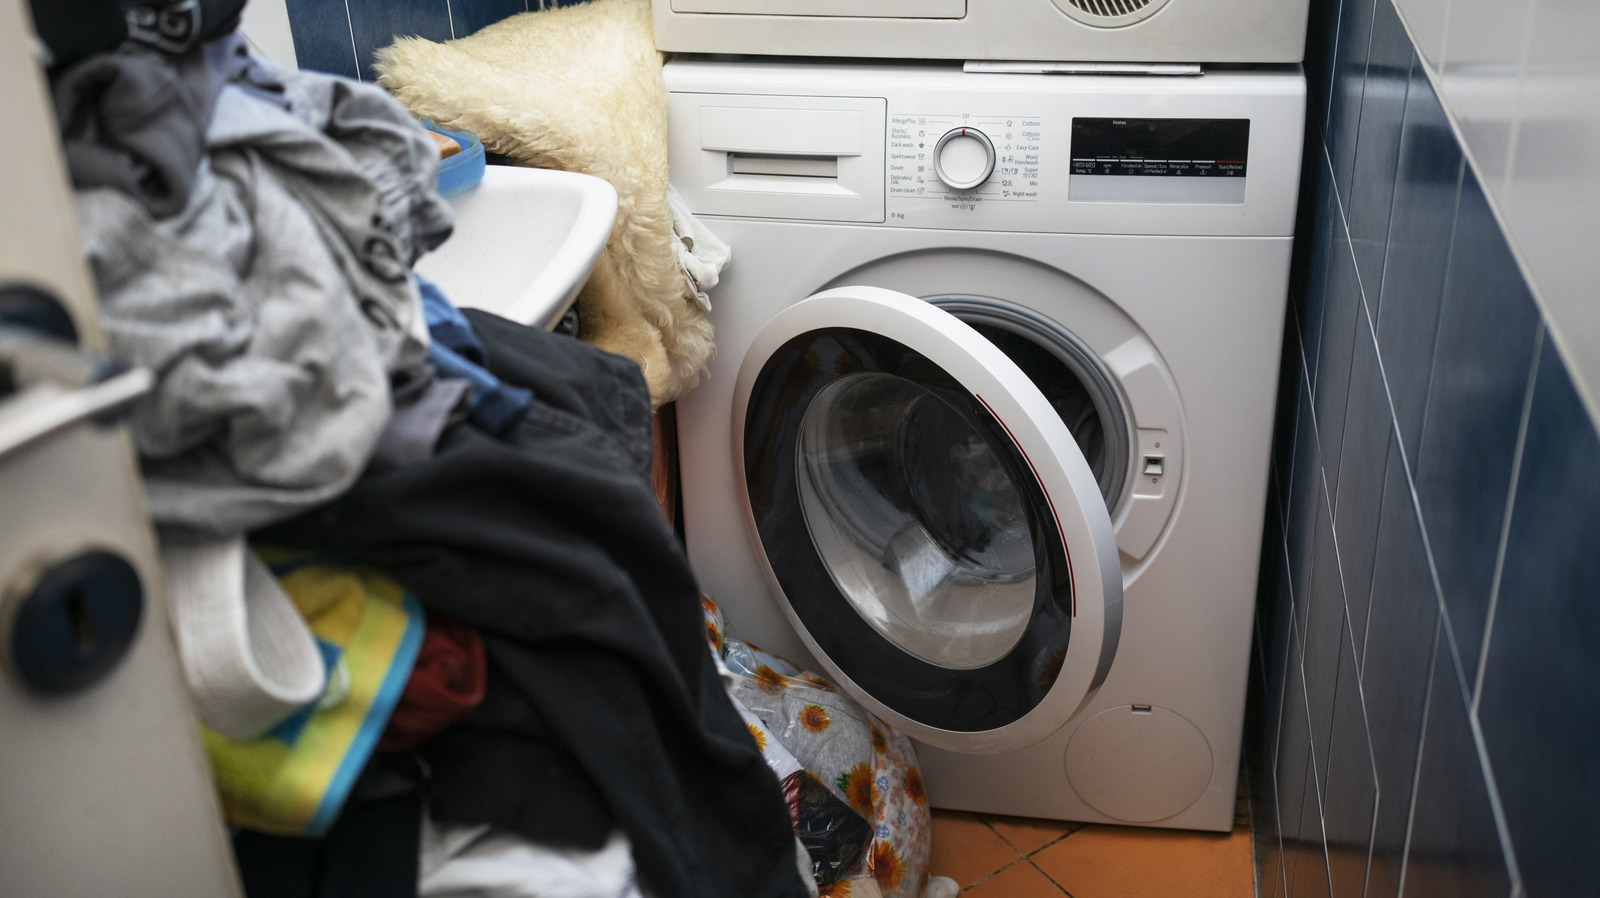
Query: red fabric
(446, 685)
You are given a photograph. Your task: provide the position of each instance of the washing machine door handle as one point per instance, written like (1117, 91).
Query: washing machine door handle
(939, 540)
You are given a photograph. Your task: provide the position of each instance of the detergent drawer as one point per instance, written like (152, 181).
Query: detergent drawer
(794, 157)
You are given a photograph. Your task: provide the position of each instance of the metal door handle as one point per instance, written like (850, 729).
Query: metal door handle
(47, 385)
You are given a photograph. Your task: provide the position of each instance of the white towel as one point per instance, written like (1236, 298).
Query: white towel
(701, 254)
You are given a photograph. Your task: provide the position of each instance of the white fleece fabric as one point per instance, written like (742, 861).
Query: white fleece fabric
(579, 88)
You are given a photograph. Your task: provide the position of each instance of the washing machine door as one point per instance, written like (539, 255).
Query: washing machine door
(932, 529)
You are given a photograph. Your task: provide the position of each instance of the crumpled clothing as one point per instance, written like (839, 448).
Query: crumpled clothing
(446, 684)
(456, 352)
(448, 325)
(550, 543)
(275, 306)
(178, 26)
(461, 861)
(424, 406)
(135, 119)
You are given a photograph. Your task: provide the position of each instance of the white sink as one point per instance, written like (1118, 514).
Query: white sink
(525, 241)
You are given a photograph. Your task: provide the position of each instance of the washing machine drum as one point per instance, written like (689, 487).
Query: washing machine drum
(935, 532)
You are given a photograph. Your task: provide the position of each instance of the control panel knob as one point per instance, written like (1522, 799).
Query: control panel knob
(963, 158)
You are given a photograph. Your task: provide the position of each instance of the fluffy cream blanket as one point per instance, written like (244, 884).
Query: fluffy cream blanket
(579, 88)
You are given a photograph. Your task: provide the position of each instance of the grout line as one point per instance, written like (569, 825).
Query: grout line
(1372, 575)
(1505, 521)
(1047, 877)
(354, 53)
(1416, 768)
(1338, 564)
(1316, 782)
(1372, 763)
(1399, 145)
(992, 874)
(1283, 692)
(1501, 826)
(1361, 104)
(1333, 191)
(1444, 293)
(1333, 65)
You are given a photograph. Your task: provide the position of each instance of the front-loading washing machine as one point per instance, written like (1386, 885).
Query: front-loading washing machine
(986, 435)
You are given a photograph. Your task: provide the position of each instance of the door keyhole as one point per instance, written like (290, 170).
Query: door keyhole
(84, 633)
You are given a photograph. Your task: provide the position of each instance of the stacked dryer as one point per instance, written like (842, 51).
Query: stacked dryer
(986, 437)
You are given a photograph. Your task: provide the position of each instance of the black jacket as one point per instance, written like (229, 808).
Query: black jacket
(603, 701)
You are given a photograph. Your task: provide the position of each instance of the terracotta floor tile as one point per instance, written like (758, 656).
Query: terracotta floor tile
(1026, 834)
(1020, 880)
(1130, 862)
(966, 849)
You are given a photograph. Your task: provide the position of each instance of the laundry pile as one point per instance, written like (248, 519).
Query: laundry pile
(440, 636)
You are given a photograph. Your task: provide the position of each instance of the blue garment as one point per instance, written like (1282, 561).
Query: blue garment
(457, 352)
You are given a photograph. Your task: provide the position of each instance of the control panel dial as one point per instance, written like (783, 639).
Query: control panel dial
(963, 158)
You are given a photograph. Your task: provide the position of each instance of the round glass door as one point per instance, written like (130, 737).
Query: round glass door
(938, 537)
(917, 519)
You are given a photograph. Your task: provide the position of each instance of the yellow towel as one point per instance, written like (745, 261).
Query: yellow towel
(295, 779)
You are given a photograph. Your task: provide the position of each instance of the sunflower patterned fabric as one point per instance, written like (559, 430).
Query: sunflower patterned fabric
(857, 797)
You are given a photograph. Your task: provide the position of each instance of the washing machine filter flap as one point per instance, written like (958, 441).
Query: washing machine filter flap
(934, 533)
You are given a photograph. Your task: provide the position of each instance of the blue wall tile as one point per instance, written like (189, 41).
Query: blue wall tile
(1308, 297)
(1310, 851)
(1540, 704)
(1278, 618)
(1285, 417)
(1454, 848)
(1358, 497)
(378, 22)
(1305, 501)
(1350, 790)
(469, 16)
(1395, 668)
(1348, 86)
(1294, 770)
(339, 36)
(1425, 191)
(1412, 413)
(1322, 28)
(1331, 384)
(1383, 104)
(322, 40)
(1325, 623)
(1487, 326)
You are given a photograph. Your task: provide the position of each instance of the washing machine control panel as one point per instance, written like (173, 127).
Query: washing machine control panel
(958, 161)
(940, 148)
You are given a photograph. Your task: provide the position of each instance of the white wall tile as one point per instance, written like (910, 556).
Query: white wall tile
(1426, 19)
(265, 25)
(1552, 196)
(1483, 50)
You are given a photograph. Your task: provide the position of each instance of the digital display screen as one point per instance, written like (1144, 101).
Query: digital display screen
(1160, 147)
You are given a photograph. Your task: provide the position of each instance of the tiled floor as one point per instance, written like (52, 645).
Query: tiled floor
(1014, 857)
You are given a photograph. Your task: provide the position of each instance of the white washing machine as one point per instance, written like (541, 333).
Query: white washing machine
(986, 436)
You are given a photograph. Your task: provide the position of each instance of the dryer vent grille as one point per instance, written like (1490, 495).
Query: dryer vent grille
(1110, 8)
(1110, 13)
